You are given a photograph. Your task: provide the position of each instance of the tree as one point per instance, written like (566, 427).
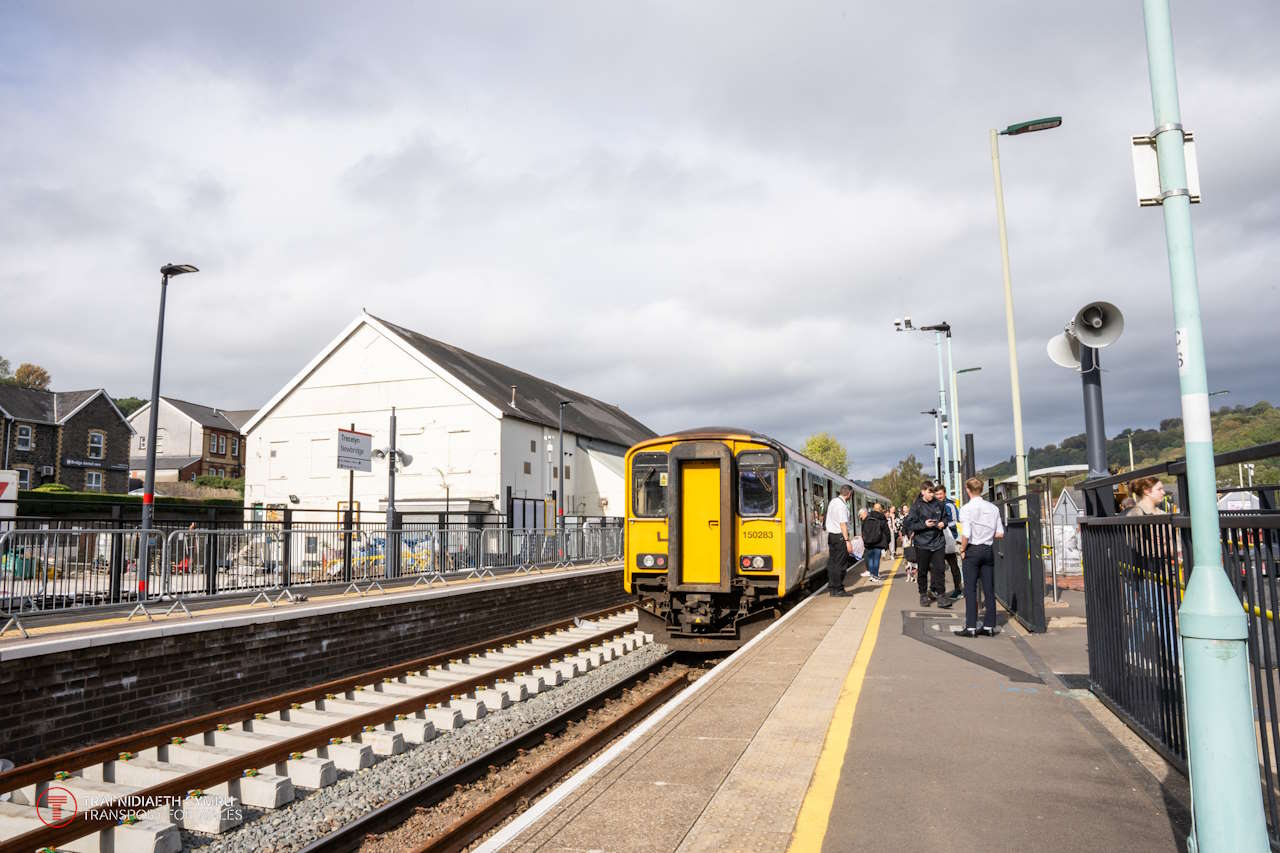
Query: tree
(902, 483)
(129, 405)
(825, 450)
(31, 376)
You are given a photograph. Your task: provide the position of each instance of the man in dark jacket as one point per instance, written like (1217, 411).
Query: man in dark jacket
(926, 521)
(875, 538)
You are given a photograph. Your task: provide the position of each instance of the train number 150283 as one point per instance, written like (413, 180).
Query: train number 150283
(758, 534)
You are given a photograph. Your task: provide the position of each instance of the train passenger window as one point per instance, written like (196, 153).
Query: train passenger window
(757, 479)
(649, 485)
(819, 504)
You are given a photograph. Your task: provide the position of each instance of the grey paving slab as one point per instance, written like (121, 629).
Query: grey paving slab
(948, 753)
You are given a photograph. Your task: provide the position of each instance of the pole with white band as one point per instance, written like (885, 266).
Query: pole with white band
(1222, 749)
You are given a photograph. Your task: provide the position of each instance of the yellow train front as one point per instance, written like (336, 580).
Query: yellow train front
(723, 526)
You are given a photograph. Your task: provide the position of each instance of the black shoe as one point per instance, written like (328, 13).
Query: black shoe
(945, 602)
(965, 632)
(989, 632)
(956, 593)
(841, 593)
(925, 601)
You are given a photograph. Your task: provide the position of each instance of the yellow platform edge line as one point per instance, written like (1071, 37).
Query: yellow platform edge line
(815, 811)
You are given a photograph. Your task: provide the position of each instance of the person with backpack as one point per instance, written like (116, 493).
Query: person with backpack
(875, 538)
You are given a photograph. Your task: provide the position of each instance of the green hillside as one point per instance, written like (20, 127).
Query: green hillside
(1233, 429)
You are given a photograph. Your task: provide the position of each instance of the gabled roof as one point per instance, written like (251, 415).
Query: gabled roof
(206, 416)
(537, 400)
(488, 384)
(49, 407)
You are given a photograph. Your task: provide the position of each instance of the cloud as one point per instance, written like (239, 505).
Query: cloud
(706, 213)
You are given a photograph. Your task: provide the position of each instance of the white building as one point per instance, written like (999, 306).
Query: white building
(483, 436)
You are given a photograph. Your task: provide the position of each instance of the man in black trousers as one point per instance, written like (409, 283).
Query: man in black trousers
(839, 541)
(981, 526)
(926, 521)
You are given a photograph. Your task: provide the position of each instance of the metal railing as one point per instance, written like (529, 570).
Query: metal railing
(1136, 571)
(1019, 561)
(45, 570)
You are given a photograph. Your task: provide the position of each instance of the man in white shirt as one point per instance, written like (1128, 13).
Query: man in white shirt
(980, 526)
(839, 541)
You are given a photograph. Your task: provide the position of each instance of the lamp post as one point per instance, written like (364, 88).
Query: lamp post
(940, 330)
(149, 483)
(393, 456)
(1222, 748)
(1019, 453)
(934, 445)
(560, 492)
(955, 414)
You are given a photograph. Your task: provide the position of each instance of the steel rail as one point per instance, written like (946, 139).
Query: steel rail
(505, 802)
(395, 812)
(233, 768)
(43, 770)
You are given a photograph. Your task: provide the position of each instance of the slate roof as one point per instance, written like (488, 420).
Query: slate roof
(46, 407)
(232, 420)
(163, 463)
(537, 400)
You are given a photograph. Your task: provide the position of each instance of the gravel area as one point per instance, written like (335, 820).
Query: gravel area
(316, 813)
(425, 824)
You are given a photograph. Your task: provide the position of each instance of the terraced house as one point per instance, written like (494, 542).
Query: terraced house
(76, 438)
(191, 440)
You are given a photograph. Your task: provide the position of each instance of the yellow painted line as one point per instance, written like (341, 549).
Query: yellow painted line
(815, 811)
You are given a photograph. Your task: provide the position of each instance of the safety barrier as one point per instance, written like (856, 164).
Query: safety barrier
(44, 570)
(1019, 561)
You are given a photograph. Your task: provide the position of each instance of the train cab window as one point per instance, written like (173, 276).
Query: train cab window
(757, 481)
(649, 485)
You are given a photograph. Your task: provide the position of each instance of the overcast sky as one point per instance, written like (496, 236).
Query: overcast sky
(705, 212)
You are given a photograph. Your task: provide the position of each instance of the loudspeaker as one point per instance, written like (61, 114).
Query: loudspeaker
(1098, 324)
(1064, 350)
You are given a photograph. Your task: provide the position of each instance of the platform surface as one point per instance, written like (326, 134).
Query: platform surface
(862, 724)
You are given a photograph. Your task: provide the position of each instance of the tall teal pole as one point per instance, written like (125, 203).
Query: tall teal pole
(944, 448)
(1227, 811)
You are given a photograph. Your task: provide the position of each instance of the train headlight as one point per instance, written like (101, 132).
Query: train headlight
(757, 562)
(648, 561)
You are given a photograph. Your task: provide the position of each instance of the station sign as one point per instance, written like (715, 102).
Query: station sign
(8, 499)
(355, 450)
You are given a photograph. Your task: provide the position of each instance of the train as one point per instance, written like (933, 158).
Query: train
(724, 528)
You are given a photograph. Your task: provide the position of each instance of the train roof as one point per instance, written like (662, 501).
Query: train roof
(752, 435)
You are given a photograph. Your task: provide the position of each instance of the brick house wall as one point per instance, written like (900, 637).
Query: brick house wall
(43, 452)
(232, 463)
(98, 416)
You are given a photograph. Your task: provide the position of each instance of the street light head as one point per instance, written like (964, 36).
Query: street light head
(968, 370)
(906, 322)
(170, 270)
(897, 324)
(1047, 123)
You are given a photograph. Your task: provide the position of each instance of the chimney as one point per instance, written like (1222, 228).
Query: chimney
(513, 396)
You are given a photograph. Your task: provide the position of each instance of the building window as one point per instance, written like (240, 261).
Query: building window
(24, 439)
(97, 444)
(235, 447)
(93, 481)
(528, 468)
(533, 445)
(213, 443)
(555, 471)
(222, 445)
(142, 442)
(24, 477)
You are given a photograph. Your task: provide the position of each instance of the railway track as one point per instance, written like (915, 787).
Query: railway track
(123, 795)
(528, 782)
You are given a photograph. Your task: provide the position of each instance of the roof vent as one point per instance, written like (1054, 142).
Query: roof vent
(513, 396)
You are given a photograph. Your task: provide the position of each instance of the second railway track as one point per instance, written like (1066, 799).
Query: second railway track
(300, 765)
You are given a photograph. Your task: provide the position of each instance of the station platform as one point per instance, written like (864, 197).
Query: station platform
(58, 630)
(863, 724)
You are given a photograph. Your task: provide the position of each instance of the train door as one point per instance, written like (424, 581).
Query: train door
(700, 517)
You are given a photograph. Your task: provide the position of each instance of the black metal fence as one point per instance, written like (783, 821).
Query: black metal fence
(1136, 569)
(1019, 558)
